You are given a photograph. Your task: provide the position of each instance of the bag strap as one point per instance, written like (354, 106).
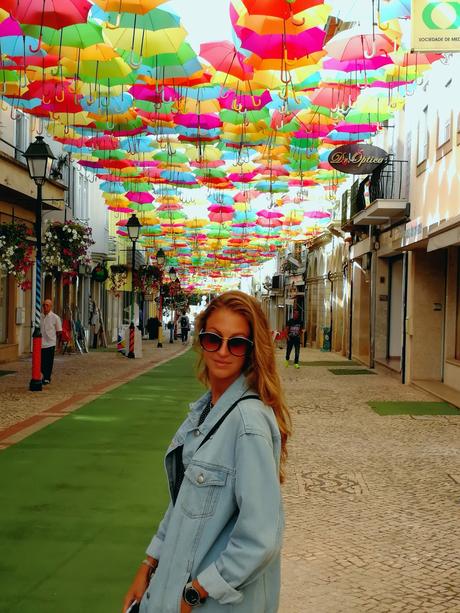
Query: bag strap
(217, 425)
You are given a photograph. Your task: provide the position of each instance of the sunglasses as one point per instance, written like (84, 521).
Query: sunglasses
(238, 346)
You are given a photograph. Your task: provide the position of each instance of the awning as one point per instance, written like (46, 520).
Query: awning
(382, 211)
(450, 238)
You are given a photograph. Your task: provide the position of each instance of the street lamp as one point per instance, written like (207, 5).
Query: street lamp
(161, 259)
(174, 288)
(134, 229)
(39, 160)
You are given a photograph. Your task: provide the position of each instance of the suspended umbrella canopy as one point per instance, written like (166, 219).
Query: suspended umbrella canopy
(282, 9)
(80, 35)
(147, 42)
(129, 6)
(347, 46)
(51, 13)
(279, 46)
(268, 24)
(156, 19)
(224, 57)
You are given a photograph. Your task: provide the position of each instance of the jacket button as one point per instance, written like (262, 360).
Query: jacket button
(200, 478)
(148, 595)
(196, 432)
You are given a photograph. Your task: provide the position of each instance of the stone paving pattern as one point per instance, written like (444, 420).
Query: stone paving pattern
(372, 503)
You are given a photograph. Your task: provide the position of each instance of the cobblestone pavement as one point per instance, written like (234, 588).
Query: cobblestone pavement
(372, 503)
(74, 376)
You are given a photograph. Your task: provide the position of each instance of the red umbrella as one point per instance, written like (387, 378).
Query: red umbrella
(225, 58)
(51, 13)
(279, 8)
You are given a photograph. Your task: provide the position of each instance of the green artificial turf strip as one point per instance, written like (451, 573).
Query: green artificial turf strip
(81, 499)
(330, 363)
(351, 371)
(414, 408)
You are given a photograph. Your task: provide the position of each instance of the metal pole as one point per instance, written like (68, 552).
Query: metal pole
(132, 328)
(160, 316)
(133, 268)
(35, 384)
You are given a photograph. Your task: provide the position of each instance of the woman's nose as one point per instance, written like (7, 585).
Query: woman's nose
(223, 349)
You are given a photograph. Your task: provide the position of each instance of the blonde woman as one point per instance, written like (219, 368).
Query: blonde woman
(218, 546)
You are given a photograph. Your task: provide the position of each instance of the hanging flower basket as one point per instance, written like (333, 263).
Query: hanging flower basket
(66, 246)
(146, 279)
(117, 278)
(99, 273)
(16, 252)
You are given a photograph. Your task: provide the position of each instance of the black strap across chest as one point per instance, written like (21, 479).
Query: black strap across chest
(180, 470)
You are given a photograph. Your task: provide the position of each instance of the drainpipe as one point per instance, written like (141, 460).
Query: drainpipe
(331, 281)
(305, 303)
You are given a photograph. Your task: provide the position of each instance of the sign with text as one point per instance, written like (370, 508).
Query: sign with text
(435, 25)
(413, 232)
(357, 159)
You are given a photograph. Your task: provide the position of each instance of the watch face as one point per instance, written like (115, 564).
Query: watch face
(192, 596)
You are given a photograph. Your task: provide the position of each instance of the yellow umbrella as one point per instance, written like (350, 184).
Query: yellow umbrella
(129, 6)
(265, 24)
(147, 42)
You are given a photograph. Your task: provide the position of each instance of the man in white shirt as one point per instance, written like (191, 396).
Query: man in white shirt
(51, 328)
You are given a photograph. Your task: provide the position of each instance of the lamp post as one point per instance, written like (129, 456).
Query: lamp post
(134, 229)
(172, 288)
(39, 160)
(161, 259)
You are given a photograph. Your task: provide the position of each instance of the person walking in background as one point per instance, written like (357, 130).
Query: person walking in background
(51, 329)
(294, 331)
(219, 542)
(184, 326)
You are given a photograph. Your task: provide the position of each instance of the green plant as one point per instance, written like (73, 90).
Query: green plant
(16, 252)
(66, 246)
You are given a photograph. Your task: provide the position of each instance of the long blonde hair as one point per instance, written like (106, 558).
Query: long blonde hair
(260, 367)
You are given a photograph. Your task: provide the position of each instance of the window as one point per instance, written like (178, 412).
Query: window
(445, 117)
(423, 143)
(444, 132)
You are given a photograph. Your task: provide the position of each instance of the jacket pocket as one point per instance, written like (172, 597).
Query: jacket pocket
(201, 489)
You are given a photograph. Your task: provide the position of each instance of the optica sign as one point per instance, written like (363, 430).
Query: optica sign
(435, 25)
(357, 159)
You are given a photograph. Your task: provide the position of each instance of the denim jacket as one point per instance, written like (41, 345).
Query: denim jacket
(226, 526)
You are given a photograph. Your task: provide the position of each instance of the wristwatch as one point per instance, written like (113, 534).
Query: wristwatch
(192, 596)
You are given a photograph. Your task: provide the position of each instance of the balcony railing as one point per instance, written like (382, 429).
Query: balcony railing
(388, 182)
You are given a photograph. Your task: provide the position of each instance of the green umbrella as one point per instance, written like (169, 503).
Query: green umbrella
(80, 35)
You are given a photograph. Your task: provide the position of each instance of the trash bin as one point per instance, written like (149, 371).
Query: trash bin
(326, 338)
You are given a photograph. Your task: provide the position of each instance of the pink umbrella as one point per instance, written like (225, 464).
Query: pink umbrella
(317, 214)
(140, 197)
(230, 100)
(204, 121)
(103, 142)
(277, 46)
(357, 65)
(349, 46)
(51, 13)
(267, 214)
(333, 97)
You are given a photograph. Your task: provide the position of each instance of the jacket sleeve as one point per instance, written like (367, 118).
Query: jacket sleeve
(256, 536)
(154, 549)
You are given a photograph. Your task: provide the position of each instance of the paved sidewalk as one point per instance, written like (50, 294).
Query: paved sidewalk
(372, 502)
(77, 379)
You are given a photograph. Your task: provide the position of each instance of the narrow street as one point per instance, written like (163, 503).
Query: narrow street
(371, 501)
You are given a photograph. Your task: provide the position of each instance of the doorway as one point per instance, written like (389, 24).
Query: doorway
(395, 313)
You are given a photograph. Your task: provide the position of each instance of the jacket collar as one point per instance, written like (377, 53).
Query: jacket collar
(235, 391)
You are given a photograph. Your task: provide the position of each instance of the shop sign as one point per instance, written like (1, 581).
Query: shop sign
(357, 159)
(435, 25)
(413, 232)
